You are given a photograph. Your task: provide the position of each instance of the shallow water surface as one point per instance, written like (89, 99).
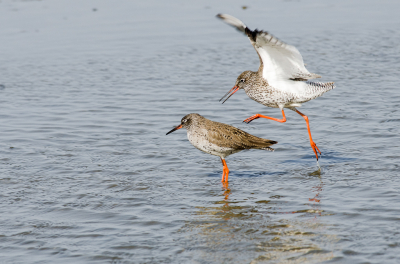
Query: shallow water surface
(88, 90)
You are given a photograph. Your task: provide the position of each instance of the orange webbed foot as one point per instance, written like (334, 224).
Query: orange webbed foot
(315, 149)
(251, 118)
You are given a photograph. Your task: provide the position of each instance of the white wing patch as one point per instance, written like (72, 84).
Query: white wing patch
(281, 62)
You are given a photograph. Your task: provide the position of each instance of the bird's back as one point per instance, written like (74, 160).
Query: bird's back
(228, 136)
(221, 139)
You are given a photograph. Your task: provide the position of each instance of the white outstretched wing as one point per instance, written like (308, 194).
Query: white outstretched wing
(278, 60)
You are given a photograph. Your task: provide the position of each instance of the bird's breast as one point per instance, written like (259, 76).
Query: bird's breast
(267, 96)
(199, 139)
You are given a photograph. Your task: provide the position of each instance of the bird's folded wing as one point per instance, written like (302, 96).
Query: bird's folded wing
(232, 137)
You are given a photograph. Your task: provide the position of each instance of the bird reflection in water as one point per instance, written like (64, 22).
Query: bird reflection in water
(267, 229)
(227, 191)
(226, 208)
(317, 189)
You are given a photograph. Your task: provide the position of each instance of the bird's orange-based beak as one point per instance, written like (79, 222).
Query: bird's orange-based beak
(233, 90)
(176, 128)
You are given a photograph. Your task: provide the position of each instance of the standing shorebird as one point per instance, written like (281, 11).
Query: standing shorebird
(281, 80)
(220, 139)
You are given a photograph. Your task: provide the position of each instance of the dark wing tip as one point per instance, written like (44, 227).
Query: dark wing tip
(251, 34)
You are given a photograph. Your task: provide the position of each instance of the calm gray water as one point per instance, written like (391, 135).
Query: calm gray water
(88, 90)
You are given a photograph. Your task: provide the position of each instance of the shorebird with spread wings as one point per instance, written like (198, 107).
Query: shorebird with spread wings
(281, 80)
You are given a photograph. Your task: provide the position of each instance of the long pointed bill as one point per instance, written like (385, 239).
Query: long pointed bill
(176, 128)
(233, 90)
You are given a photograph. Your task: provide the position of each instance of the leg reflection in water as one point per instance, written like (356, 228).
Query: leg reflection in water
(317, 189)
(227, 191)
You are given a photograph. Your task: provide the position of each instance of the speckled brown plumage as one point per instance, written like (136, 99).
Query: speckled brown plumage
(220, 139)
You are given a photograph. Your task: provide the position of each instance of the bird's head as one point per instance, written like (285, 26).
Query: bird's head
(242, 82)
(186, 122)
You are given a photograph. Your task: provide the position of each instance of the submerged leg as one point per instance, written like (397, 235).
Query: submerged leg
(225, 171)
(251, 118)
(312, 143)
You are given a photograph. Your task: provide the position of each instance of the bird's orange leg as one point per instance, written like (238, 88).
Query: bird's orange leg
(225, 171)
(251, 118)
(312, 143)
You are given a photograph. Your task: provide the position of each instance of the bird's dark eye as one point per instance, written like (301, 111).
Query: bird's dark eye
(242, 80)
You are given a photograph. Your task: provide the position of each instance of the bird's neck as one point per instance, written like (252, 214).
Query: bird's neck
(256, 80)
